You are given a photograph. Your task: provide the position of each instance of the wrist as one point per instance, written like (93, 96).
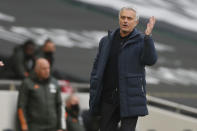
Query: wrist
(147, 36)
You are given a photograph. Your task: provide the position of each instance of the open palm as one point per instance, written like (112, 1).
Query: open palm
(150, 25)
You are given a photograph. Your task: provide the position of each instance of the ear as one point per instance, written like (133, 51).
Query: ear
(136, 22)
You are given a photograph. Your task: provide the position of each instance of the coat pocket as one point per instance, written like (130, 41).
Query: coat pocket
(134, 80)
(135, 86)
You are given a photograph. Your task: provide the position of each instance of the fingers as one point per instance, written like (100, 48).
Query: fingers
(152, 20)
(150, 25)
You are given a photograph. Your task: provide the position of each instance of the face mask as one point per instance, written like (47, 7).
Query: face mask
(49, 54)
(28, 56)
(49, 57)
(74, 110)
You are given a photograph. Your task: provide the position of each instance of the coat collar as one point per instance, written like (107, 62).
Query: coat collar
(135, 33)
(34, 77)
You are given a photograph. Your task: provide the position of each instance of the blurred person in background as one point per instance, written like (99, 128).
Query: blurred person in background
(47, 51)
(72, 114)
(39, 101)
(23, 59)
(117, 84)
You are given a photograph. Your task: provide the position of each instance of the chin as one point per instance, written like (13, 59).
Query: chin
(46, 77)
(125, 31)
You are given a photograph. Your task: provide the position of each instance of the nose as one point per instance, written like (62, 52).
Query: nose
(47, 71)
(125, 20)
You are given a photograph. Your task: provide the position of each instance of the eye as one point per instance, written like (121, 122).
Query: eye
(129, 18)
(123, 17)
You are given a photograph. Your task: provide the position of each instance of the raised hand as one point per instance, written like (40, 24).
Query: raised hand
(150, 25)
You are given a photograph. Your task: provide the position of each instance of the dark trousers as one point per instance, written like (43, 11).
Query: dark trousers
(110, 117)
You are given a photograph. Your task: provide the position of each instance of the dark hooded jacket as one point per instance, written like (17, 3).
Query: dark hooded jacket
(137, 52)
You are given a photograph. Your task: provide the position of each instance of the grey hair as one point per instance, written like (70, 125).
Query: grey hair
(130, 8)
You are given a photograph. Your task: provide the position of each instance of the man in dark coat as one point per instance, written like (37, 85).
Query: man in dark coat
(117, 83)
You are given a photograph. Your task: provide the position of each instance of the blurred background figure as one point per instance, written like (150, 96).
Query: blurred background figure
(21, 62)
(23, 59)
(72, 114)
(47, 51)
(66, 86)
(39, 101)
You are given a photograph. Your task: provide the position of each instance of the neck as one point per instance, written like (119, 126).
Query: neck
(123, 33)
(42, 79)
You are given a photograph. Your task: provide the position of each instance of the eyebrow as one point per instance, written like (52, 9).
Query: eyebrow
(127, 17)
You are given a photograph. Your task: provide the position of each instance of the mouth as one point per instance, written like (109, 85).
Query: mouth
(124, 26)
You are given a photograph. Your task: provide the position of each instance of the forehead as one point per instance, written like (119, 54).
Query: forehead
(74, 100)
(44, 64)
(128, 13)
(48, 44)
